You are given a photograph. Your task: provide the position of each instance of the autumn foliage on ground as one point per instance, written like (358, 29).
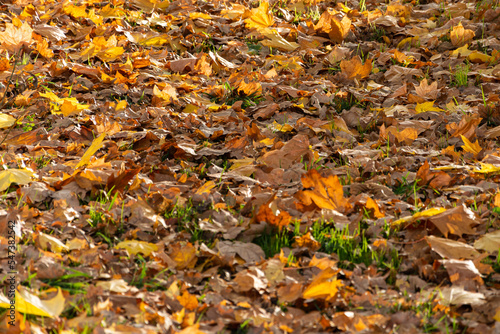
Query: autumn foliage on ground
(287, 166)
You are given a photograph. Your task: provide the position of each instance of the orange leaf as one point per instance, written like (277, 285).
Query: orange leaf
(335, 24)
(354, 69)
(324, 286)
(12, 39)
(260, 17)
(371, 204)
(460, 36)
(326, 192)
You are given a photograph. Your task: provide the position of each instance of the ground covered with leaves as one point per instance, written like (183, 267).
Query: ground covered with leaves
(250, 167)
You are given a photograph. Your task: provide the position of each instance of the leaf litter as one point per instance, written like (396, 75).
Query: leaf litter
(248, 167)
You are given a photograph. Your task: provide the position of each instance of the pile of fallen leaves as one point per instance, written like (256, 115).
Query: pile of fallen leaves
(291, 166)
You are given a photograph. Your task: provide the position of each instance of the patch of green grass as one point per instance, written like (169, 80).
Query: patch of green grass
(460, 75)
(340, 103)
(273, 241)
(406, 189)
(350, 248)
(64, 282)
(42, 161)
(254, 46)
(232, 95)
(187, 221)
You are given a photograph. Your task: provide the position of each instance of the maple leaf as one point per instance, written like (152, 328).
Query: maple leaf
(13, 39)
(325, 193)
(475, 148)
(336, 25)
(354, 69)
(426, 91)
(260, 17)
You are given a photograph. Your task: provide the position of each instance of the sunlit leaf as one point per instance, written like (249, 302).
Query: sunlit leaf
(12, 39)
(96, 145)
(6, 121)
(28, 303)
(354, 69)
(426, 106)
(136, 246)
(473, 148)
(460, 36)
(260, 17)
(10, 176)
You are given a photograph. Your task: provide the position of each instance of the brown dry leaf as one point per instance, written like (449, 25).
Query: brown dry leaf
(426, 91)
(460, 36)
(184, 255)
(436, 180)
(275, 40)
(457, 221)
(452, 249)
(354, 69)
(325, 193)
(489, 242)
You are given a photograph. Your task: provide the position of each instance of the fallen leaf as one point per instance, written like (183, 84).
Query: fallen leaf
(135, 246)
(28, 303)
(354, 69)
(489, 242)
(460, 36)
(94, 147)
(13, 39)
(19, 176)
(325, 193)
(475, 148)
(260, 17)
(426, 106)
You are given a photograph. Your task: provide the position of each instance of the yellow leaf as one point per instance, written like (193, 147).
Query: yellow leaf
(191, 108)
(497, 314)
(267, 142)
(121, 105)
(110, 54)
(30, 304)
(276, 41)
(478, 57)
(6, 121)
(324, 285)
(426, 106)
(205, 188)
(429, 212)
(413, 41)
(251, 88)
(260, 17)
(96, 145)
(19, 176)
(168, 93)
(198, 15)
(470, 147)
(56, 245)
(461, 51)
(281, 127)
(487, 169)
(137, 246)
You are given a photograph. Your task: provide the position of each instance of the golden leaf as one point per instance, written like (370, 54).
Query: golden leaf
(206, 187)
(478, 57)
(354, 69)
(325, 285)
(276, 41)
(6, 121)
(136, 246)
(325, 193)
(371, 204)
(460, 36)
(30, 304)
(470, 147)
(96, 145)
(19, 176)
(335, 24)
(426, 106)
(260, 17)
